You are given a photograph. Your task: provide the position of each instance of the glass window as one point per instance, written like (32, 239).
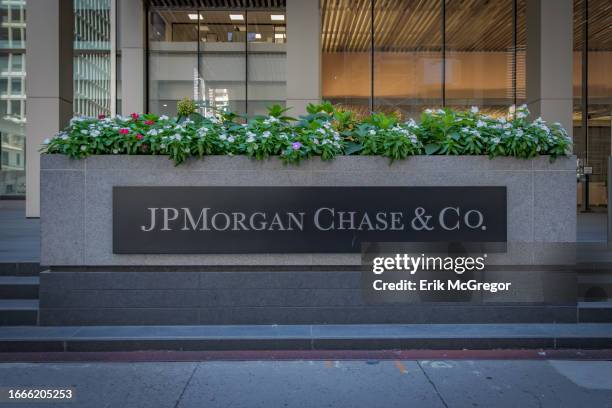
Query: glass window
(346, 60)
(222, 60)
(173, 61)
(479, 54)
(267, 59)
(407, 61)
(16, 86)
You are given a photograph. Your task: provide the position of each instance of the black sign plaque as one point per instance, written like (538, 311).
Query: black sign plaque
(206, 220)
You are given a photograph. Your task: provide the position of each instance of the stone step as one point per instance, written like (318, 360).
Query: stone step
(595, 312)
(19, 287)
(307, 337)
(18, 312)
(20, 269)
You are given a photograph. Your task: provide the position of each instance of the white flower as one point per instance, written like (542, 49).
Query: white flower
(84, 131)
(231, 139)
(177, 136)
(163, 117)
(495, 140)
(250, 139)
(502, 120)
(372, 132)
(474, 109)
(519, 132)
(273, 119)
(315, 141)
(521, 115)
(95, 133)
(440, 111)
(153, 132)
(223, 136)
(115, 151)
(266, 134)
(163, 146)
(83, 147)
(64, 137)
(480, 124)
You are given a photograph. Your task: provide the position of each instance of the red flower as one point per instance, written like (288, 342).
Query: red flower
(149, 122)
(101, 116)
(138, 136)
(135, 116)
(124, 131)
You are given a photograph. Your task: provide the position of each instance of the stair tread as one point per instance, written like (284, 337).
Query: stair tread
(606, 304)
(18, 304)
(19, 280)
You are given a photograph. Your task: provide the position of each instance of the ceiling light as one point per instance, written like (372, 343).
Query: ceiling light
(279, 36)
(236, 17)
(257, 36)
(194, 16)
(277, 17)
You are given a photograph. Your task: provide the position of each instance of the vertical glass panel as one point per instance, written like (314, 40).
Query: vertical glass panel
(521, 51)
(92, 57)
(346, 45)
(479, 54)
(173, 59)
(222, 60)
(12, 97)
(407, 56)
(599, 96)
(267, 59)
(579, 137)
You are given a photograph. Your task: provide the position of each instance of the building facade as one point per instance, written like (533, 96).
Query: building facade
(402, 56)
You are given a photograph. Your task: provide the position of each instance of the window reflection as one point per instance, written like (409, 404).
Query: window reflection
(202, 54)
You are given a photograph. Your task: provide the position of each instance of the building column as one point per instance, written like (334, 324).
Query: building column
(49, 46)
(303, 54)
(550, 60)
(132, 20)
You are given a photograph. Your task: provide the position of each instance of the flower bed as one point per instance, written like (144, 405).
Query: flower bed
(326, 132)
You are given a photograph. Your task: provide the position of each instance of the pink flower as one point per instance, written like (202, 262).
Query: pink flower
(124, 131)
(149, 122)
(135, 116)
(138, 136)
(101, 116)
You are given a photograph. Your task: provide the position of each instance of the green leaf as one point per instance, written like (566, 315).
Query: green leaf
(431, 148)
(353, 147)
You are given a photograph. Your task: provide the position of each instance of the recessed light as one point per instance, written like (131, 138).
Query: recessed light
(194, 16)
(165, 105)
(236, 17)
(257, 36)
(279, 36)
(277, 17)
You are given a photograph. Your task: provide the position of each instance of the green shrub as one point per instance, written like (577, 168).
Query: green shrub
(325, 131)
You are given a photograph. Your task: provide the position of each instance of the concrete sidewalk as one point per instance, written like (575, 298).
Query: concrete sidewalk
(307, 337)
(307, 383)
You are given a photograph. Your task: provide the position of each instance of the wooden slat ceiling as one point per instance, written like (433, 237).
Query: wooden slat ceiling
(471, 25)
(415, 25)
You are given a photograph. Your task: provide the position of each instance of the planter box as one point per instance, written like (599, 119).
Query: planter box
(77, 223)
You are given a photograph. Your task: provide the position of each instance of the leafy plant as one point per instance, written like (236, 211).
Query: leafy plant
(325, 131)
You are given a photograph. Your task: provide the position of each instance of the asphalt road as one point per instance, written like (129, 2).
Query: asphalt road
(376, 383)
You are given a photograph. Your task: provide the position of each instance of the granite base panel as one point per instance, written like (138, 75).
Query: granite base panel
(225, 298)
